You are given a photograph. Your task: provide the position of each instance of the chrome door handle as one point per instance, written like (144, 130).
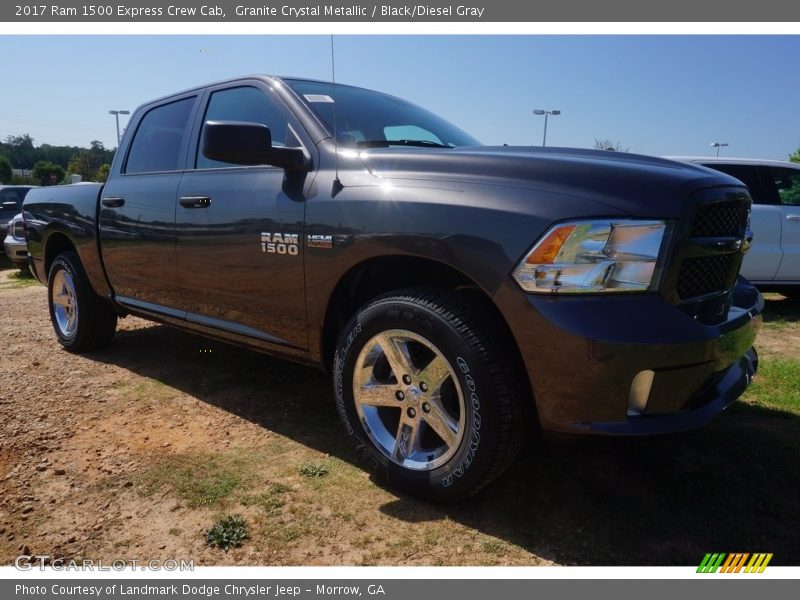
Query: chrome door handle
(793, 217)
(113, 202)
(195, 201)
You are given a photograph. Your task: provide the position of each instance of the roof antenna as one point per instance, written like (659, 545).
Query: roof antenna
(337, 183)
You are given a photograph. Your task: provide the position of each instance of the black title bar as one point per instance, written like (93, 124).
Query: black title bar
(488, 11)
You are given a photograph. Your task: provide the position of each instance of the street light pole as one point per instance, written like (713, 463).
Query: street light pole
(546, 113)
(116, 114)
(718, 145)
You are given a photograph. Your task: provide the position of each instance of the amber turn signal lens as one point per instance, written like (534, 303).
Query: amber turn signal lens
(547, 250)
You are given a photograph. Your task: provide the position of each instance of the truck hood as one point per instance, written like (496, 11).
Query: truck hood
(642, 186)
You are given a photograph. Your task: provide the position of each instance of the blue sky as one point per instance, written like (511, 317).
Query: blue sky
(655, 94)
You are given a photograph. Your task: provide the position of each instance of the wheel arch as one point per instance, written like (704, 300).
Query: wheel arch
(380, 275)
(56, 243)
(86, 248)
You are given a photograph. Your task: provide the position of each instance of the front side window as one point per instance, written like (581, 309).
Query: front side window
(250, 105)
(159, 138)
(787, 185)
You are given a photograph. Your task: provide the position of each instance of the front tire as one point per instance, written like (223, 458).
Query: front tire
(82, 320)
(427, 389)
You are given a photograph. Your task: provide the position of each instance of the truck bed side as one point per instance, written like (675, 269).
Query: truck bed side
(62, 218)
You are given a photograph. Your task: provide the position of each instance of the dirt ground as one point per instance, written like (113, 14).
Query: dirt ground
(134, 452)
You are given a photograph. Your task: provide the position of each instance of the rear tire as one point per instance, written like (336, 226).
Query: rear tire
(82, 320)
(429, 393)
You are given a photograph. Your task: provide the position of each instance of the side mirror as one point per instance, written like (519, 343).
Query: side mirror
(242, 143)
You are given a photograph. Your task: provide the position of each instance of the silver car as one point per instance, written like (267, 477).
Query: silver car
(774, 258)
(15, 246)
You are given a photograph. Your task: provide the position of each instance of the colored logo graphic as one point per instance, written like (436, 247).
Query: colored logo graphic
(734, 563)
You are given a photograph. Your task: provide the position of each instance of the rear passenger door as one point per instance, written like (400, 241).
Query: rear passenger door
(783, 184)
(761, 263)
(137, 209)
(240, 228)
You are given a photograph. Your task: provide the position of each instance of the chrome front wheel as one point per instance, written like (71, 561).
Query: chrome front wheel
(409, 400)
(425, 389)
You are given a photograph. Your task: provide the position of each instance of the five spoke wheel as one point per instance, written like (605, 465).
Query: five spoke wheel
(408, 399)
(65, 306)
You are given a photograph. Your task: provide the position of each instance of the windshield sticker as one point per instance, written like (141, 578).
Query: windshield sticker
(318, 98)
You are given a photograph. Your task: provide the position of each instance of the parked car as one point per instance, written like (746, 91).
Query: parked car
(460, 294)
(14, 244)
(773, 262)
(11, 197)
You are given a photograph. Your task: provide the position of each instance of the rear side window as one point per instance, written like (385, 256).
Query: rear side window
(250, 105)
(748, 175)
(786, 184)
(159, 138)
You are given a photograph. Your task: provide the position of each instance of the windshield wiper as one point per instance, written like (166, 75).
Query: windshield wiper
(387, 143)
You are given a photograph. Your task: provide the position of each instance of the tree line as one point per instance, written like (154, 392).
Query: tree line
(50, 165)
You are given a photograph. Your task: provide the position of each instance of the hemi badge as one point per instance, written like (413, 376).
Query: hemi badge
(319, 241)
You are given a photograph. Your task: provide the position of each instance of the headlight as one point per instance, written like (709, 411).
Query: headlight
(18, 229)
(593, 256)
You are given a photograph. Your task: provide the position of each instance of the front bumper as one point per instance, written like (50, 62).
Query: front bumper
(16, 251)
(583, 355)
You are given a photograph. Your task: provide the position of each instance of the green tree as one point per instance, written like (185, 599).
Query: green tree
(47, 173)
(102, 173)
(20, 151)
(88, 162)
(80, 164)
(6, 173)
(59, 155)
(23, 154)
(795, 157)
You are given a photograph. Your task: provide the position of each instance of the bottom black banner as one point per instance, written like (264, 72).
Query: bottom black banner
(390, 589)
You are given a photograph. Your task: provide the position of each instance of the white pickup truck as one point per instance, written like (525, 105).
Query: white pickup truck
(773, 262)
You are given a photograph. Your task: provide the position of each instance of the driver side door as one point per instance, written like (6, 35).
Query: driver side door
(240, 229)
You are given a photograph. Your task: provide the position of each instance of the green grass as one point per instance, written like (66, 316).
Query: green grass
(229, 532)
(493, 547)
(313, 470)
(21, 278)
(200, 479)
(270, 501)
(777, 384)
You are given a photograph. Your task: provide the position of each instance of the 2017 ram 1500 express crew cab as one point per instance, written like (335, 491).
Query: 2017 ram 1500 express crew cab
(461, 295)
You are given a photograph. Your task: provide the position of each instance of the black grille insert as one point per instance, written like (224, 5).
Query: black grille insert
(704, 275)
(720, 219)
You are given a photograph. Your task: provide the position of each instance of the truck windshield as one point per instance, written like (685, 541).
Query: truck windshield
(367, 119)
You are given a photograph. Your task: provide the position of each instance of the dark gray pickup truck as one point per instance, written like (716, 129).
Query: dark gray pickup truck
(461, 295)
